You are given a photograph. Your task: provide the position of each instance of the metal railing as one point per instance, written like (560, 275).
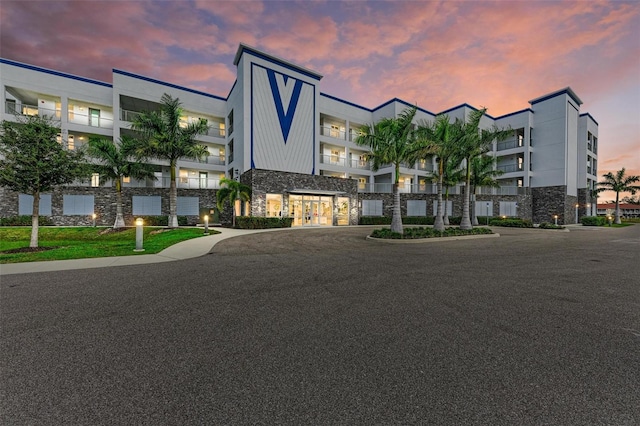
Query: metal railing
(508, 145)
(361, 164)
(213, 130)
(334, 160)
(333, 133)
(503, 190)
(510, 168)
(89, 120)
(25, 109)
(415, 188)
(181, 182)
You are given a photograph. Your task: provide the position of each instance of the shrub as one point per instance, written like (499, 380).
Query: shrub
(414, 233)
(24, 220)
(251, 222)
(161, 220)
(593, 220)
(375, 220)
(511, 222)
(547, 225)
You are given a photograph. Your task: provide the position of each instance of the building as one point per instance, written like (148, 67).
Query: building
(627, 210)
(294, 145)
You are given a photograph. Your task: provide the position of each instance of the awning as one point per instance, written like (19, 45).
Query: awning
(314, 192)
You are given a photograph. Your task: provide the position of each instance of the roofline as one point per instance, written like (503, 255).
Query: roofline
(273, 59)
(345, 102)
(53, 72)
(514, 113)
(164, 83)
(465, 105)
(590, 116)
(567, 90)
(402, 102)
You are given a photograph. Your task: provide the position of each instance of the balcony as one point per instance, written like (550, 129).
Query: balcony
(332, 132)
(510, 168)
(181, 182)
(502, 146)
(503, 190)
(334, 160)
(425, 166)
(33, 110)
(360, 164)
(91, 120)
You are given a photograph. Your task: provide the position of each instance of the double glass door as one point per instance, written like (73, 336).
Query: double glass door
(311, 210)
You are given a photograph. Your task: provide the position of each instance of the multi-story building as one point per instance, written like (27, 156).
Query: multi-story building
(294, 146)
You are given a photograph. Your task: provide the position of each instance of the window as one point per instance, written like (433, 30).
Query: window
(335, 131)
(230, 149)
(520, 182)
(484, 208)
(71, 144)
(70, 111)
(25, 204)
(59, 138)
(362, 183)
(188, 206)
(371, 207)
(230, 122)
(446, 208)
(95, 180)
(416, 208)
(94, 117)
(509, 208)
(146, 205)
(77, 205)
(221, 129)
(10, 106)
(126, 179)
(58, 110)
(274, 205)
(335, 156)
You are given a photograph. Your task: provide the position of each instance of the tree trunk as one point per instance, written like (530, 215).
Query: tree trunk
(438, 224)
(119, 215)
(445, 216)
(472, 206)
(617, 213)
(465, 223)
(396, 217)
(34, 220)
(173, 199)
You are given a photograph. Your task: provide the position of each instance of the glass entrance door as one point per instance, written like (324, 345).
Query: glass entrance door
(310, 210)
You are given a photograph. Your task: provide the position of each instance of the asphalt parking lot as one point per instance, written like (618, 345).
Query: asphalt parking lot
(322, 326)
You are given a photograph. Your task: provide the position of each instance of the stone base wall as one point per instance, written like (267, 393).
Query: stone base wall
(263, 182)
(105, 204)
(586, 203)
(553, 200)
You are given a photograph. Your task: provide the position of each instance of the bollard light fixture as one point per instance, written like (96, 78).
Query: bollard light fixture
(139, 223)
(94, 216)
(206, 224)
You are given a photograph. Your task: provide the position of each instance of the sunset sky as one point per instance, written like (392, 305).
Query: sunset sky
(498, 54)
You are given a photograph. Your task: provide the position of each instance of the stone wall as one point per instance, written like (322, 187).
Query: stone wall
(553, 200)
(105, 203)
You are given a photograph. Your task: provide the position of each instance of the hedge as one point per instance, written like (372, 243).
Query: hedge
(251, 222)
(593, 220)
(24, 220)
(161, 220)
(415, 233)
(511, 222)
(407, 220)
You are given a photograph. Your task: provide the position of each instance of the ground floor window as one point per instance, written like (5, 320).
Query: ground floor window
(416, 207)
(447, 207)
(25, 204)
(371, 207)
(508, 208)
(484, 208)
(311, 210)
(146, 205)
(274, 205)
(343, 211)
(77, 205)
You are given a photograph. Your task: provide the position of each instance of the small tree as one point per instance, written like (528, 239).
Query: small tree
(391, 141)
(165, 137)
(619, 183)
(33, 161)
(232, 191)
(115, 161)
(483, 174)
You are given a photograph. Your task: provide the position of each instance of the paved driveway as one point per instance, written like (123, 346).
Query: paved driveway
(323, 327)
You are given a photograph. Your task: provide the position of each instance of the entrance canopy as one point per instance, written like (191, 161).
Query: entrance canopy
(315, 192)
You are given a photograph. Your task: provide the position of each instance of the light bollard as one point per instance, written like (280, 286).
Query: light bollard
(609, 219)
(139, 224)
(206, 224)
(94, 216)
(555, 219)
(577, 205)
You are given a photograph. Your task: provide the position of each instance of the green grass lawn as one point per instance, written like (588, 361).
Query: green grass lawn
(87, 242)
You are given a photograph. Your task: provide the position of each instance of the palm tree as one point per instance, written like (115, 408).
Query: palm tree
(440, 138)
(453, 174)
(483, 174)
(232, 191)
(391, 141)
(165, 137)
(475, 143)
(619, 183)
(115, 161)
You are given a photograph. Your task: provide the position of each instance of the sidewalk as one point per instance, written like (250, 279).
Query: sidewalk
(184, 250)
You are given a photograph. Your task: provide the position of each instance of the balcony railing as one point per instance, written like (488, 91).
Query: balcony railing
(213, 130)
(427, 167)
(90, 120)
(508, 145)
(211, 159)
(503, 190)
(333, 133)
(181, 182)
(353, 134)
(360, 164)
(334, 160)
(510, 168)
(24, 109)
(387, 188)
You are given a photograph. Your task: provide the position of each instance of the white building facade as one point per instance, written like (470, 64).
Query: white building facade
(294, 146)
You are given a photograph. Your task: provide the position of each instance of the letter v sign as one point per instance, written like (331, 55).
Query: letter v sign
(285, 118)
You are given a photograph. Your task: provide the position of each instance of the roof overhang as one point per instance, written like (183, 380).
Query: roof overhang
(314, 192)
